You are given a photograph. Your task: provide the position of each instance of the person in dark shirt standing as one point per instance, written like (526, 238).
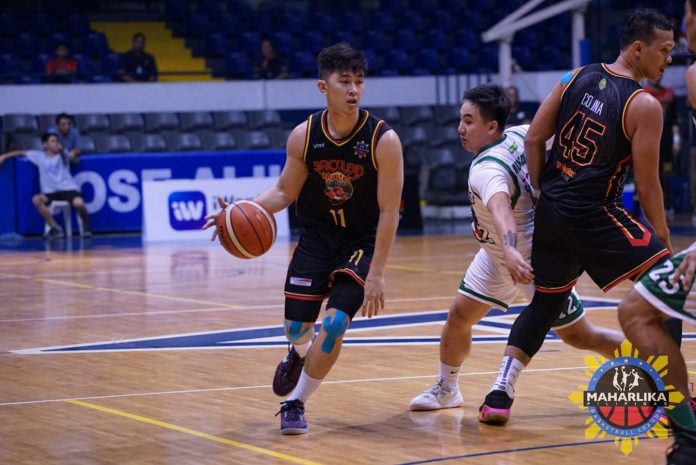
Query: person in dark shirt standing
(344, 169)
(136, 65)
(603, 122)
(271, 65)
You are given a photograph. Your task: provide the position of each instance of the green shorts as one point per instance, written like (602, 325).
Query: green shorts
(673, 300)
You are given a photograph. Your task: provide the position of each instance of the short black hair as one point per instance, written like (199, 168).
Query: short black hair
(61, 116)
(138, 34)
(341, 57)
(693, 5)
(46, 135)
(641, 24)
(492, 102)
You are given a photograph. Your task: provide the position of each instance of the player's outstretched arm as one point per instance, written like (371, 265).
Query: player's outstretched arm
(390, 181)
(293, 176)
(687, 268)
(289, 184)
(518, 267)
(644, 126)
(12, 154)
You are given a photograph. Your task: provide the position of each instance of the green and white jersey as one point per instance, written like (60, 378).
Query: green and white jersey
(672, 299)
(502, 167)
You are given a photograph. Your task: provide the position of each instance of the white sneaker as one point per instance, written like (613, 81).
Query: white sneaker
(436, 398)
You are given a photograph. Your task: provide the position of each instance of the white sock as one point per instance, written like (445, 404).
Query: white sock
(449, 376)
(302, 349)
(510, 369)
(305, 387)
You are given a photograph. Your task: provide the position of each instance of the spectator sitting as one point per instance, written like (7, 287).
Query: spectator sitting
(61, 69)
(136, 65)
(55, 180)
(517, 115)
(270, 65)
(68, 136)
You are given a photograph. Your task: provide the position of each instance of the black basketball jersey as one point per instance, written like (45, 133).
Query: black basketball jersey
(341, 189)
(591, 151)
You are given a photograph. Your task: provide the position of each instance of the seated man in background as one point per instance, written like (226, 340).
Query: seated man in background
(61, 69)
(55, 180)
(136, 65)
(68, 136)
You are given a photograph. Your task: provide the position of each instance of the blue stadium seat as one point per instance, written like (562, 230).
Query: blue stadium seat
(429, 59)
(437, 39)
(460, 61)
(149, 143)
(161, 122)
(77, 24)
(176, 10)
(26, 45)
(233, 119)
(215, 45)
(283, 42)
(353, 21)
(406, 40)
(218, 141)
(9, 67)
(8, 25)
(322, 21)
(398, 60)
(262, 119)
(302, 65)
(412, 21)
(127, 122)
(185, 142)
(196, 25)
(383, 21)
(228, 24)
(377, 41)
(291, 21)
(442, 20)
(238, 66)
(93, 123)
(250, 41)
(84, 66)
(20, 124)
(95, 45)
(112, 143)
(195, 120)
(313, 42)
(109, 64)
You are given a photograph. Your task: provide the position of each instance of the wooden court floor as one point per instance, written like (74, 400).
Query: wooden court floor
(164, 354)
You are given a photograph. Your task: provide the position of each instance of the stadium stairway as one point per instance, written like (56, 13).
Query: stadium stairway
(174, 61)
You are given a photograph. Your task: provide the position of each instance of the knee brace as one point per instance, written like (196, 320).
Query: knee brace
(335, 327)
(533, 324)
(294, 331)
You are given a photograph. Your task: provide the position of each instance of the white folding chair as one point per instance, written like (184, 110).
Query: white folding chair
(63, 206)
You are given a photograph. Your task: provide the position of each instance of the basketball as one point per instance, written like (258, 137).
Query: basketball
(246, 229)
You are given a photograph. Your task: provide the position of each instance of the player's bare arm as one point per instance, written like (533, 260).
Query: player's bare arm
(289, 183)
(644, 127)
(390, 181)
(541, 129)
(12, 154)
(499, 206)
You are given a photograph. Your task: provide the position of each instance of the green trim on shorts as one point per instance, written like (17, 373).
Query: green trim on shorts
(485, 298)
(656, 288)
(572, 313)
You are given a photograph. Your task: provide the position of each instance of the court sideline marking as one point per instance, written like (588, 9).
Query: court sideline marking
(193, 432)
(266, 386)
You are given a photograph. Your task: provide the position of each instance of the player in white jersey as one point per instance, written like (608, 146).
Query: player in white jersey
(503, 207)
(667, 291)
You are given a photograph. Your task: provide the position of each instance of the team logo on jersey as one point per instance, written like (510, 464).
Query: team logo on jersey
(338, 176)
(602, 83)
(362, 150)
(626, 397)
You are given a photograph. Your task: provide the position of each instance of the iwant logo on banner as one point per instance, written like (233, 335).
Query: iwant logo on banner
(186, 210)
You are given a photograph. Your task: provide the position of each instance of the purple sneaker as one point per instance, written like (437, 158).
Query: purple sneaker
(292, 420)
(495, 409)
(288, 373)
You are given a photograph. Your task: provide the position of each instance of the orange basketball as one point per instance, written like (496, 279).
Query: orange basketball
(246, 229)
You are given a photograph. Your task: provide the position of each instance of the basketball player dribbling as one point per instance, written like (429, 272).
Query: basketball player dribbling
(603, 122)
(344, 170)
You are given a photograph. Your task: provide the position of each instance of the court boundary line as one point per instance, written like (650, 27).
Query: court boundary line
(512, 451)
(266, 386)
(193, 432)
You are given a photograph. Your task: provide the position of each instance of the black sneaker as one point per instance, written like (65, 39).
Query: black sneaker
(54, 233)
(292, 419)
(495, 409)
(288, 373)
(683, 451)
